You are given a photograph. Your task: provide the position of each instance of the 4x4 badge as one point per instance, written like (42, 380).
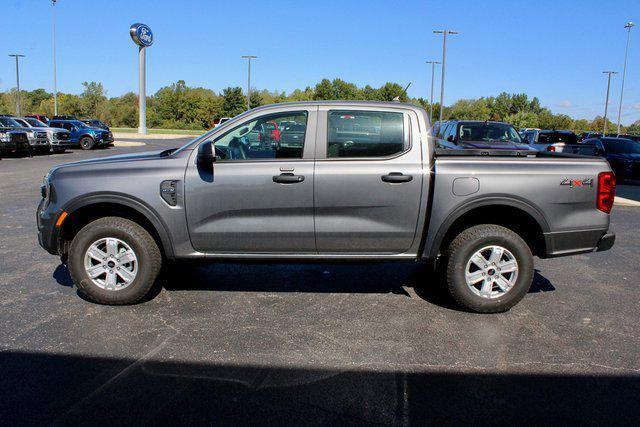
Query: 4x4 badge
(577, 182)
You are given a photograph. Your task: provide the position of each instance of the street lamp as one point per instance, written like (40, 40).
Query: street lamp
(55, 79)
(606, 102)
(433, 70)
(624, 71)
(444, 33)
(17, 56)
(249, 57)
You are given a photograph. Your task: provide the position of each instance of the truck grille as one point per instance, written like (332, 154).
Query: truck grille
(41, 134)
(62, 136)
(19, 137)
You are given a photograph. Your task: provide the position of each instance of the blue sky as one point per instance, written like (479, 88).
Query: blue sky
(555, 50)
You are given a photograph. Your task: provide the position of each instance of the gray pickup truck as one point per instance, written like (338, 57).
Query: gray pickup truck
(365, 182)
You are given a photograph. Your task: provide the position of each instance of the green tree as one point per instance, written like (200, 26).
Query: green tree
(233, 102)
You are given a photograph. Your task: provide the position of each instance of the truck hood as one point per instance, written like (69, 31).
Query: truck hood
(146, 155)
(495, 145)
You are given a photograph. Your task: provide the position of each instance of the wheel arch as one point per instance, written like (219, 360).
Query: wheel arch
(516, 214)
(87, 208)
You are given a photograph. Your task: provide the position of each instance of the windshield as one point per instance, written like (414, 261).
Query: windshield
(35, 123)
(488, 132)
(9, 122)
(79, 124)
(621, 146)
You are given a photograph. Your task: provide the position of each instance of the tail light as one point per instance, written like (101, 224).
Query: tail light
(260, 137)
(606, 191)
(551, 148)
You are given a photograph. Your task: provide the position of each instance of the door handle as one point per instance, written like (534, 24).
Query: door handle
(288, 178)
(396, 177)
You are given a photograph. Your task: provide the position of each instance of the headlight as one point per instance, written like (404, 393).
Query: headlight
(5, 137)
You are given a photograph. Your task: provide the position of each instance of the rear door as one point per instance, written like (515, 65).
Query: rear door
(368, 180)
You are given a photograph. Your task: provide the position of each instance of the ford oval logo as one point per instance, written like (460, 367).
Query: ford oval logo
(141, 34)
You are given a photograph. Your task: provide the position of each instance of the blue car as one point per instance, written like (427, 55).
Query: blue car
(87, 137)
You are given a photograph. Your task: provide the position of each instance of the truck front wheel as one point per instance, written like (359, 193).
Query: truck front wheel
(87, 143)
(489, 268)
(114, 261)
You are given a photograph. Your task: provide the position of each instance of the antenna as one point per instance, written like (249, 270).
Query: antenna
(397, 98)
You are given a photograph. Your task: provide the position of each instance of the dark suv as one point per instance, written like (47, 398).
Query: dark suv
(622, 154)
(471, 134)
(13, 139)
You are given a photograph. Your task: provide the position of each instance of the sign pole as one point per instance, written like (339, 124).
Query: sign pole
(142, 35)
(142, 83)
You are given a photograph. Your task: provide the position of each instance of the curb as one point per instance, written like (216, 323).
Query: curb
(621, 201)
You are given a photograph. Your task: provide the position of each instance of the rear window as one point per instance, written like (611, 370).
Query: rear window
(554, 137)
(365, 134)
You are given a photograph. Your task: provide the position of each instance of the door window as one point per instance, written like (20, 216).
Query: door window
(264, 138)
(365, 134)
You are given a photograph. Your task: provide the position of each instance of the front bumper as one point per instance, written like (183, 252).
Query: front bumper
(39, 143)
(48, 233)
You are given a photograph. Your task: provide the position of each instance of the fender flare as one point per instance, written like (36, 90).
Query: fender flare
(131, 202)
(431, 252)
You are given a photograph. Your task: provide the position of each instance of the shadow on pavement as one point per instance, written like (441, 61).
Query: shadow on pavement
(630, 190)
(385, 277)
(39, 388)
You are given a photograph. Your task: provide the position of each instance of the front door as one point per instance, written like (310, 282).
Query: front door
(259, 198)
(368, 181)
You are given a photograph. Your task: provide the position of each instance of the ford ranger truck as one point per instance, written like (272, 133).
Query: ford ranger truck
(364, 183)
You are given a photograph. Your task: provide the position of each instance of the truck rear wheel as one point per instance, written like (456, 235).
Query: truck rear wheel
(489, 269)
(114, 261)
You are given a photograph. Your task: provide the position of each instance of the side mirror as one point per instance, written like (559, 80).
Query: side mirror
(243, 131)
(206, 157)
(74, 129)
(450, 138)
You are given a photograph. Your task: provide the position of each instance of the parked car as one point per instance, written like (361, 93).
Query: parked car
(38, 142)
(38, 137)
(12, 140)
(57, 138)
(465, 134)
(382, 193)
(293, 135)
(44, 119)
(549, 140)
(96, 123)
(622, 154)
(83, 135)
(635, 138)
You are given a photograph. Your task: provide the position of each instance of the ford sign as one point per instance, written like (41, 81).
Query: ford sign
(141, 35)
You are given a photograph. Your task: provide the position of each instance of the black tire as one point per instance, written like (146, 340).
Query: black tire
(465, 245)
(87, 143)
(139, 240)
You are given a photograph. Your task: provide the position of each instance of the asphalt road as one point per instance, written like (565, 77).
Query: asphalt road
(309, 343)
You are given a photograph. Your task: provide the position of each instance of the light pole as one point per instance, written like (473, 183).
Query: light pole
(249, 57)
(433, 72)
(444, 33)
(624, 71)
(606, 102)
(55, 78)
(17, 56)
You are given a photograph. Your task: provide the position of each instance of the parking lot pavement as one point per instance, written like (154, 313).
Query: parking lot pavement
(311, 343)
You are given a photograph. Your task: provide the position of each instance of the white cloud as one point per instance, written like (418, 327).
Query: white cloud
(565, 104)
